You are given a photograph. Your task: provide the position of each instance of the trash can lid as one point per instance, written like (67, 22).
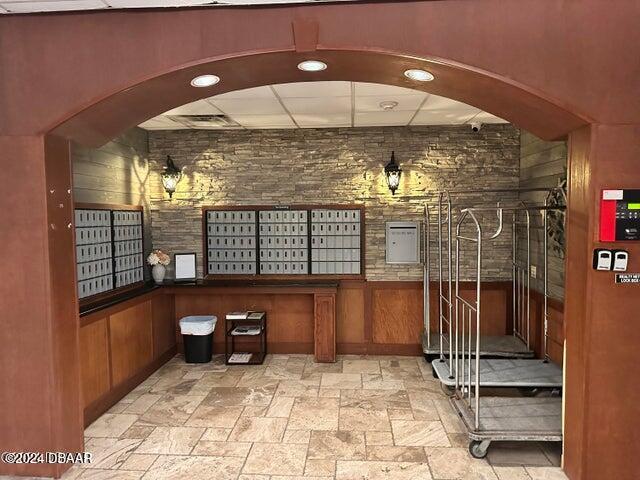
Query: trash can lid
(198, 324)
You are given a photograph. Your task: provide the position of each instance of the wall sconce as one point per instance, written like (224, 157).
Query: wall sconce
(171, 175)
(392, 171)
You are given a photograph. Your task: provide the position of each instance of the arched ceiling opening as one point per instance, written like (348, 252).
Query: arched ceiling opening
(329, 104)
(150, 97)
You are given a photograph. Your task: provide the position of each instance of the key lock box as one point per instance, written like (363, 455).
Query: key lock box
(619, 222)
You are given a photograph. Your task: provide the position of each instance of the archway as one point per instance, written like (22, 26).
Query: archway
(128, 66)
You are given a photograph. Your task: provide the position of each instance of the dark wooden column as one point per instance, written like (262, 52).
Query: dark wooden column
(602, 415)
(39, 375)
(324, 327)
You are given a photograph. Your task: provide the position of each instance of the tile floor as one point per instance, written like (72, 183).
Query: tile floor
(362, 418)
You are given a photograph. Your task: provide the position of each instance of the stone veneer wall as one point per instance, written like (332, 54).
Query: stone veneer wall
(322, 166)
(116, 173)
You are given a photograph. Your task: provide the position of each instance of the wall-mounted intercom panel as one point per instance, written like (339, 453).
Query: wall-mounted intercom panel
(620, 215)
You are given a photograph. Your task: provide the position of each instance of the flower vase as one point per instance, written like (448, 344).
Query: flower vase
(158, 272)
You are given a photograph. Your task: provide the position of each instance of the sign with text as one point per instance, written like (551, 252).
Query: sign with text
(628, 278)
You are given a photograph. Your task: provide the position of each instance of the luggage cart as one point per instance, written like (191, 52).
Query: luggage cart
(517, 373)
(491, 418)
(438, 346)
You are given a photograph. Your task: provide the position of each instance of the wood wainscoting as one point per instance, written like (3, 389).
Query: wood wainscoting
(120, 346)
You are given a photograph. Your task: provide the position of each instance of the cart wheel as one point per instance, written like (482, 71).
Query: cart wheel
(478, 448)
(448, 390)
(430, 357)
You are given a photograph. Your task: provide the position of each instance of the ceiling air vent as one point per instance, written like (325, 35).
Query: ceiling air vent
(205, 121)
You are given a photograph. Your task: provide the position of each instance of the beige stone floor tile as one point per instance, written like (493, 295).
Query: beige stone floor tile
(138, 461)
(221, 449)
(280, 407)
(359, 470)
(252, 411)
(311, 379)
(109, 453)
(546, 473)
(258, 382)
(333, 445)
(378, 438)
(171, 410)
(111, 425)
(517, 453)
(253, 477)
(511, 473)
(323, 367)
(119, 408)
(214, 417)
(172, 467)
(320, 468)
(110, 475)
(375, 381)
(423, 408)
(419, 433)
(360, 366)
(460, 440)
(142, 403)
(456, 463)
(314, 414)
(299, 477)
(341, 380)
(295, 388)
(297, 436)
(276, 459)
(232, 396)
(480, 471)
(387, 453)
(216, 434)
(138, 431)
(175, 386)
(375, 399)
(258, 429)
(363, 419)
(329, 393)
(71, 474)
(450, 420)
(400, 414)
(283, 372)
(171, 440)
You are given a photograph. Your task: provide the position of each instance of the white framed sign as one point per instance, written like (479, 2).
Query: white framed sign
(403, 242)
(185, 264)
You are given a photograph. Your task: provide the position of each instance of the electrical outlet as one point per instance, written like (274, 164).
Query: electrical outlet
(534, 271)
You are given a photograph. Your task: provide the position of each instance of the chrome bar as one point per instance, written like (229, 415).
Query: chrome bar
(450, 273)
(514, 269)
(545, 318)
(426, 277)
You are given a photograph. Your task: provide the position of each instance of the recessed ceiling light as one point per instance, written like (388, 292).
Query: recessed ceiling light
(388, 105)
(419, 75)
(205, 81)
(312, 66)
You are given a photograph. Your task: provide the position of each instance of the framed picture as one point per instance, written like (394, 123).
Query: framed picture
(185, 267)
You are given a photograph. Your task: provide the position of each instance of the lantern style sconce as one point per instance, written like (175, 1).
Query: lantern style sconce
(171, 175)
(392, 171)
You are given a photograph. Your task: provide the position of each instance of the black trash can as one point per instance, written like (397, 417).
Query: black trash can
(197, 334)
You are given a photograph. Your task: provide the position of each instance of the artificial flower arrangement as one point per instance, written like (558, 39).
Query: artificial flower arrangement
(158, 257)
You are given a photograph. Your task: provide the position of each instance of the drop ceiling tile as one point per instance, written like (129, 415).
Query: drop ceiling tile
(53, 6)
(265, 121)
(255, 92)
(485, 117)
(313, 89)
(382, 118)
(366, 89)
(161, 123)
(435, 102)
(249, 106)
(199, 107)
(306, 120)
(155, 3)
(453, 116)
(318, 105)
(372, 103)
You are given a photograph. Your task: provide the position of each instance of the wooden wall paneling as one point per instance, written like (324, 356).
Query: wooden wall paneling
(94, 360)
(290, 317)
(164, 332)
(350, 313)
(131, 339)
(396, 312)
(325, 327)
